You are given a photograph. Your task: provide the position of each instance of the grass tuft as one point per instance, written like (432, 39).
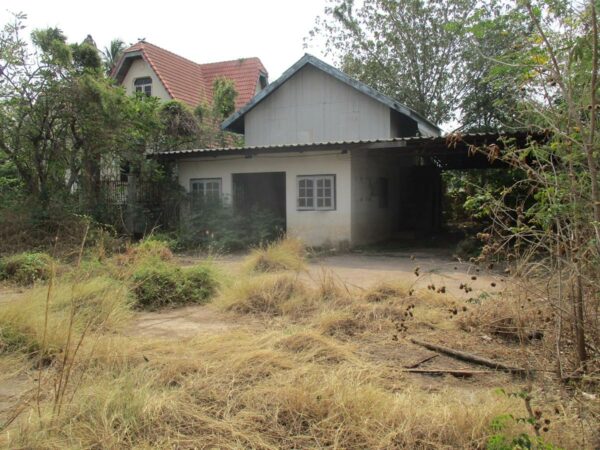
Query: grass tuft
(287, 254)
(272, 294)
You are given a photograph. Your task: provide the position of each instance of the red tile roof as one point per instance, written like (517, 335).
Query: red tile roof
(192, 83)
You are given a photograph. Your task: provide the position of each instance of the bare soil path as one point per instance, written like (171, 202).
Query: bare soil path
(357, 270)
(180, 322)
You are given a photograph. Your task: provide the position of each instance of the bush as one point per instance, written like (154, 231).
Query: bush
(12, 340)
(26, 268)
(287, 254)
(163, 284)
(217, 227)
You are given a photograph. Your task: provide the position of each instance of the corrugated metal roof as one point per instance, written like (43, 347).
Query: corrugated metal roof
(385, 143)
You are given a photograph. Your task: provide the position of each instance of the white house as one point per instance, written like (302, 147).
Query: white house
(341, 162)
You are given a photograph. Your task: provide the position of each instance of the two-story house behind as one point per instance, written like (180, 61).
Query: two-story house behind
(145, 67)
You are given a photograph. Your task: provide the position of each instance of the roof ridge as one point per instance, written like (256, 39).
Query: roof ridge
(167, 51)
(243, 58)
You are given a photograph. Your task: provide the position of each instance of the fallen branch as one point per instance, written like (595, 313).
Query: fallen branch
(455, 372)
(424, 360)
(468, 357)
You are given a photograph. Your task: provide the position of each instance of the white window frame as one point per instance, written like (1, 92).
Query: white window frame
(145, 88)
(308, 189)
(204, 182)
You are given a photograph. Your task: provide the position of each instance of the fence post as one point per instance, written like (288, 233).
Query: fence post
(130, 211)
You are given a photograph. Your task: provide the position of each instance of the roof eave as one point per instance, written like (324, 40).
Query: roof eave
(124, 63)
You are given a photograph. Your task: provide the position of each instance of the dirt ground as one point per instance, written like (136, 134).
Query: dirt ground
(358, 270)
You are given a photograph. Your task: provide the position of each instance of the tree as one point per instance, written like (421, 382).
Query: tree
(410, 50)
(112, 54)
(427, 54)
(60, 116)
(224, 95)
(551, 229)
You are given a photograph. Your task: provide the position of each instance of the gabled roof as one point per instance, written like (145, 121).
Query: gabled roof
(191, 82)
(235, 122)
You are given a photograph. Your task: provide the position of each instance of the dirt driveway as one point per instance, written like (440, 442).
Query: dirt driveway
(357, 270)
(435, 266)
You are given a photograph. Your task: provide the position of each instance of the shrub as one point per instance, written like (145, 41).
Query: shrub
(217, 226)
(163, 284)
(287, 254)
(26, 268)
(12, 340)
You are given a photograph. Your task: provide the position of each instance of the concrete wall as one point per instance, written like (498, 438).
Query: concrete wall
(313, 106)
(372, 222)
(315, 228)
(140, 68)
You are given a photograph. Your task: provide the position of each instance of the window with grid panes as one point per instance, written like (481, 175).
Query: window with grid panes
(143, 85)
(316, 192)
(206, 189)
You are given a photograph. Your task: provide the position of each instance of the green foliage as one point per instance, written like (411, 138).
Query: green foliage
(409, 50)
(26, 268)
(112, 54)
(217, 227)
(224, 95)
(12, 341)
(179, 125)
(162, 284)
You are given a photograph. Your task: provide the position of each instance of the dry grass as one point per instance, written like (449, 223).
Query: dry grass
(287, 254)
(305, 381)
(387, 290)
(98, 304)
(510, 318)
(271, 294)
(272, 390)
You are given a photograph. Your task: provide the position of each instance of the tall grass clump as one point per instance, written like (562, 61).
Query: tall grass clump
(147, 251)
(269, 294)
(45, 316)
(26, 268)
(286, 254)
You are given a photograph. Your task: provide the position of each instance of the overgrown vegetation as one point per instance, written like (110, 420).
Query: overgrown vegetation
(217, 227)
(313, 360)
(163, 284)
(287, 254)
(26, 268)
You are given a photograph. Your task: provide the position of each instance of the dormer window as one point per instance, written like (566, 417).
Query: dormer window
(143, 85)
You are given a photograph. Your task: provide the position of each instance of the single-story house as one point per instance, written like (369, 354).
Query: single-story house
(342, 163)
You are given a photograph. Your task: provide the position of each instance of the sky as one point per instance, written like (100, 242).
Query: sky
(200, 30)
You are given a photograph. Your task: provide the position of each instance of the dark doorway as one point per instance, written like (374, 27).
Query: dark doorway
(260, 191)
(421, 200)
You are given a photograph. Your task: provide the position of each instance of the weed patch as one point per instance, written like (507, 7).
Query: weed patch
(163, 284)
(26, 268)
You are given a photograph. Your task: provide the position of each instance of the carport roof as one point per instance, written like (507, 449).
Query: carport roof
(450, 151)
